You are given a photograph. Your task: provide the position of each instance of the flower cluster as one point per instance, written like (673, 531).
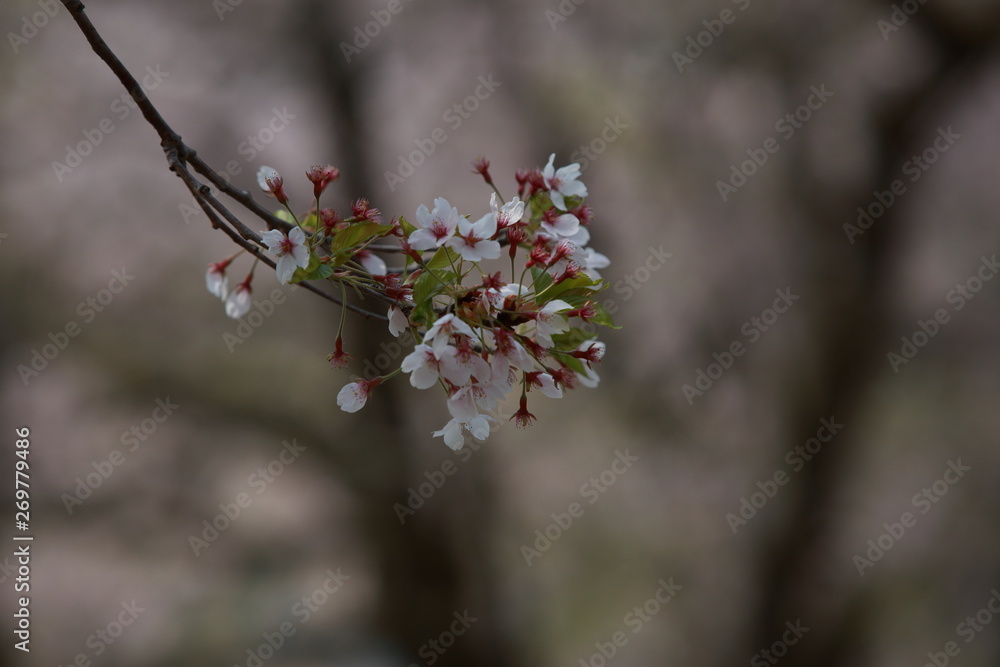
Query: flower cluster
(479, 336)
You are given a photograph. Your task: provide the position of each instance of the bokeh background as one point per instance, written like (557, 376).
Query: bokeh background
(663, 120)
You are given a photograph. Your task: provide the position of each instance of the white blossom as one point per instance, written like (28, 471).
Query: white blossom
(563, 182)
(290, 250)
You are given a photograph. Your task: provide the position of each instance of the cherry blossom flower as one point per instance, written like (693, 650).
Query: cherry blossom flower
(591, 351)
(509, 214)
(363, 210)
(522, 417)
(354, 395)
(373, 264)
(398, 322)
(564, 377)
(468, 361)
(462, 404)
(291, 251)
(563, 182)
(215, 278)
(495, 299)
(545, 382)
(548, 321)
(443, 329)
(508, 352)
(558, 225)
(271, 183)
(473, 239)
(589, 261)
(329, 219)
(589, 378)
(489, 394)
(456, 365)
(482, 167)
(435, 227)
(465, 417)
(477, 335)
(453, 431)
(581, 238)
(238, 301)
(425, 366)
(338, 358)
(321, 177)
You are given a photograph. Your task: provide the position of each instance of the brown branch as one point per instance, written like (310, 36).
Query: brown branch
(179, 155)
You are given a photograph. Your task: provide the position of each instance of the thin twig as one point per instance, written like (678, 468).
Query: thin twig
(179, 155)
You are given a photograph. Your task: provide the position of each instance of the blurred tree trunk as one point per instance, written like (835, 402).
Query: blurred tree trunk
(438, 563)
(852, 337)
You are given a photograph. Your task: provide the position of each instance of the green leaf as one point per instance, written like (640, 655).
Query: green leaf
(570, 340)
(540, 279)
(407, 227)
(444, 258)
(345, 241)
(582, 285)
(573, 363)
(357, 234)
(309, 272)
(322, 273)
(428, 285)
(283, 214)
(603, 317)
(424, 314)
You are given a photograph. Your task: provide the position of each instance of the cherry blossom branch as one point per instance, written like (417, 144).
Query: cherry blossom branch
(207, 202)
(179, 155)
(478, 335)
